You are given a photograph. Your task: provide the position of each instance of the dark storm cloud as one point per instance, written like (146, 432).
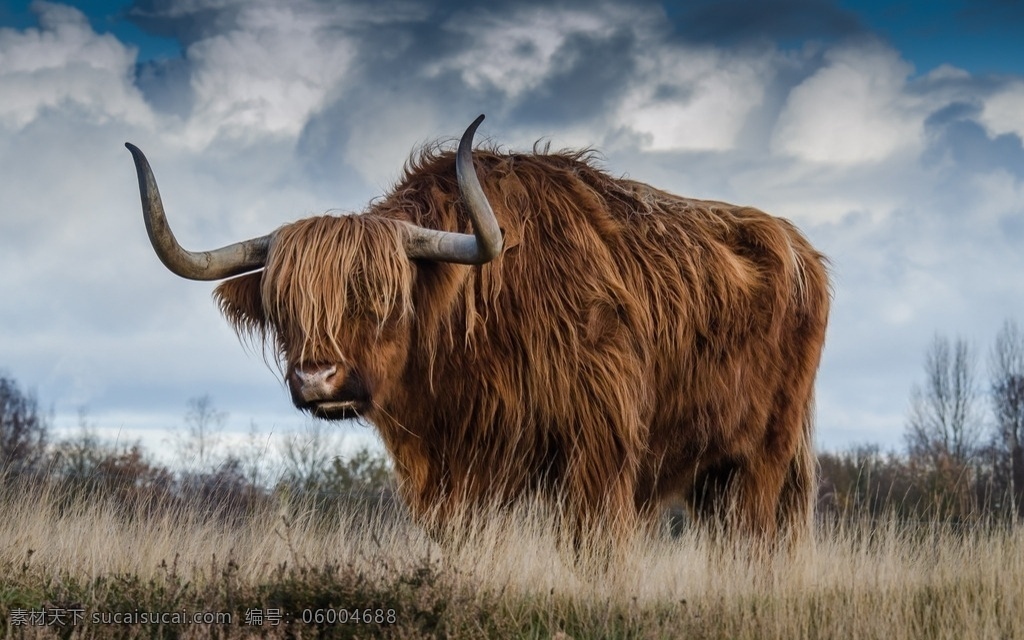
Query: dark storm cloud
(389, 28)
(165, 83)
(598, 71)
(411, 57)
(588, 69)
(956, 135)
(401, 48)
(732, 22)
(167, 19)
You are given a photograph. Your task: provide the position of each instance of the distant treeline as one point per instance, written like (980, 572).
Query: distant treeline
(231, 485)
(961, 462)
(964, 436)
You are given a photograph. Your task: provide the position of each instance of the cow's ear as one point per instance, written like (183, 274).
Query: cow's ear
(241, 302)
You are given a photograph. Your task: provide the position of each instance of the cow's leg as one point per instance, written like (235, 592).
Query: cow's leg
(709, 499)
(599, 495)
(799, 490)
(739, 499)
(758, 486)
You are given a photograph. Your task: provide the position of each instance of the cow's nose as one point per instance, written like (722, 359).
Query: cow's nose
(317, 383)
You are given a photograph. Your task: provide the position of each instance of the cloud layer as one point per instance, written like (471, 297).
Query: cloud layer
(913, 183)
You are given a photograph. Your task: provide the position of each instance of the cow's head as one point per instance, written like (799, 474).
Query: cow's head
(334, 294)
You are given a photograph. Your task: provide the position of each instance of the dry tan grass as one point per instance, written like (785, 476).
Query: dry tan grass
(886, 581)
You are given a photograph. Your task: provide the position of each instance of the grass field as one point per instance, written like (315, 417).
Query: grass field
(107, 570)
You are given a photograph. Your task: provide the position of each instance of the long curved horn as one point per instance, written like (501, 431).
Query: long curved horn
(445, 246)
(225, 262)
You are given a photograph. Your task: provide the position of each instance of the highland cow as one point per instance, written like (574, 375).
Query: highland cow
(533, 326)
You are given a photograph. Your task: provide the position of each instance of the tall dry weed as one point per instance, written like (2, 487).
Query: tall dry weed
(506, 574)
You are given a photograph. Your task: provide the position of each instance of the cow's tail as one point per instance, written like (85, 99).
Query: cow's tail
(800, 490)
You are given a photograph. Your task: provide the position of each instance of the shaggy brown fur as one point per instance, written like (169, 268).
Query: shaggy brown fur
(627, 346)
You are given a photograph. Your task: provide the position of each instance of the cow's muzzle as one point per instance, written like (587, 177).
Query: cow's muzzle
(329, 391)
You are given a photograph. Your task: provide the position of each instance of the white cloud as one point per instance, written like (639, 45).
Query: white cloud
(267, 74)
(947, 72)
(853, 110)
(381, 132)
(65, 65)
(708, 96)
(997, 195)
(1004, 112)
(515, 53)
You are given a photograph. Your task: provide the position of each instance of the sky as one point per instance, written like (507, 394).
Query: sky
(890, 133)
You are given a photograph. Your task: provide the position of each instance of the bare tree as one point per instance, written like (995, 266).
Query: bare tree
(203, 424)
(307, 456)
(253, 457)
(23, 430)
(77, 458)
(313, 468)
(945, 423)
(1006, 365)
